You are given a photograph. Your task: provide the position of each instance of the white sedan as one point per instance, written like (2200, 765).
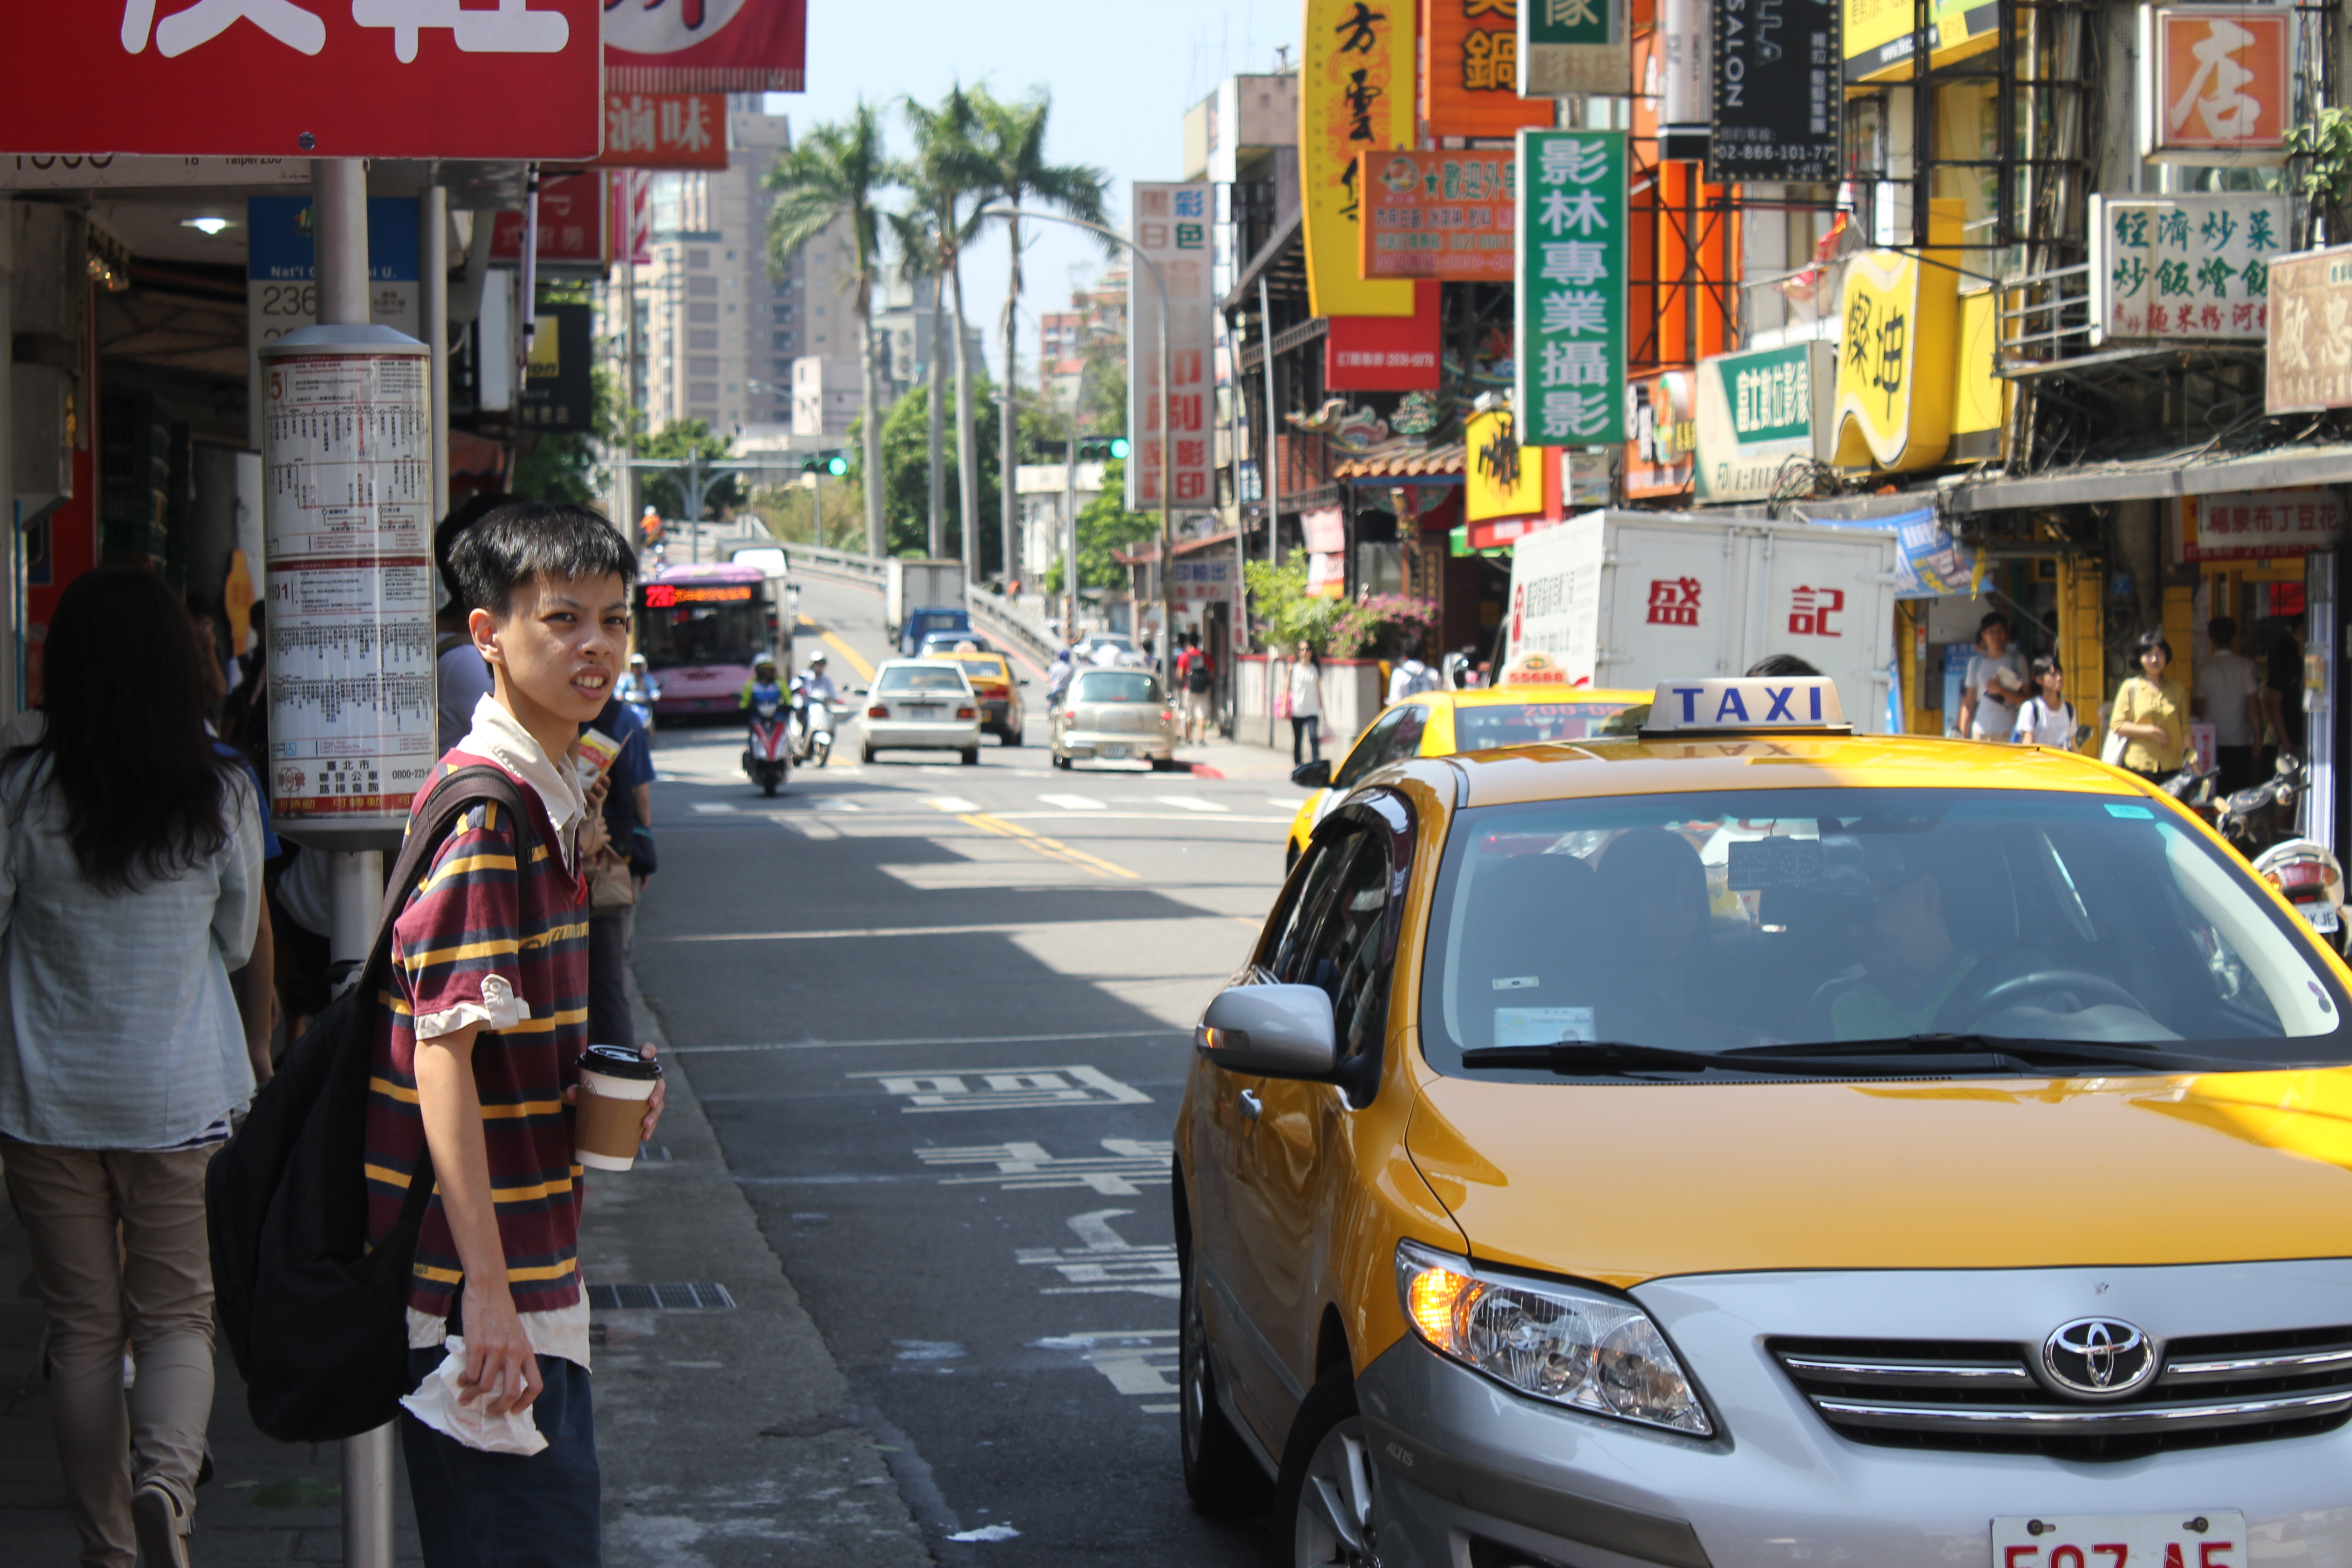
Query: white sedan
(922, 705)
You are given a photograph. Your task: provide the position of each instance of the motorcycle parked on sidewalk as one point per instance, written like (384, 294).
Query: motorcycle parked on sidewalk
(2311, 880)
(2255, 819)
(767, 754)
(813, 731)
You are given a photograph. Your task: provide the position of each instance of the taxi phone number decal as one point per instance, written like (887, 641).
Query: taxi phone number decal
(2183, 1540)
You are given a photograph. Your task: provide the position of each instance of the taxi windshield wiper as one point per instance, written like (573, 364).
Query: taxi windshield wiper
(2026, 1053)
(1600, 1059)
(1907, 1055)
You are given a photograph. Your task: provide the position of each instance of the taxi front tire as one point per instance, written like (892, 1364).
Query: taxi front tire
(1328, 1497)
(1220, 1477)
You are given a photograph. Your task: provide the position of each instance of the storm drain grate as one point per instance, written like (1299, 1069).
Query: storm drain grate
(666, 1297)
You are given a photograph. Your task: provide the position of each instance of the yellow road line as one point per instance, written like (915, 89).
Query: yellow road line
(1052, 849)
(865, 670)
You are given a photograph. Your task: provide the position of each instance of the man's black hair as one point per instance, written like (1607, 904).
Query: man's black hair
(463, 516)
(1783, 666)
(2222, 631)
(523, 540)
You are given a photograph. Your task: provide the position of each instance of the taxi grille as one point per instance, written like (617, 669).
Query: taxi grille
(1980, 1395)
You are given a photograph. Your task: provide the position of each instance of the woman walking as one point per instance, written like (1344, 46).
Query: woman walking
(1306, 705)
(130, 887)
(2151, 715)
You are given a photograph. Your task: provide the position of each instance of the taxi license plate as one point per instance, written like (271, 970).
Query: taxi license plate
(1112, 753)
(2187, 1539)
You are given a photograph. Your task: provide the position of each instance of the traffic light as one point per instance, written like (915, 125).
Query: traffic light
(836, 465)
(1096, 448)
(832, 465)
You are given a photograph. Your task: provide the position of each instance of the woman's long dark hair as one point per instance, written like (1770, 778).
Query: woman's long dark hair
(146, 794)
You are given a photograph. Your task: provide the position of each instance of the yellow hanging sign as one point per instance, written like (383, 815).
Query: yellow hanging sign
(1897, 317)
(1504, 479)
(1355, 97)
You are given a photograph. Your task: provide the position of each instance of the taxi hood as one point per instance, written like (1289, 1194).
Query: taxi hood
(1623, 1182)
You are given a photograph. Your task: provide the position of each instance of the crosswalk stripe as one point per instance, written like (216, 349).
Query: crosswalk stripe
(954, 804)
(836, 803)
(714, 808)
(1073, 802)
(1190, 803)
(807, 828)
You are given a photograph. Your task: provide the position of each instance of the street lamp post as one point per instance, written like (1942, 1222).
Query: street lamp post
(697, 478)
(1167, 450)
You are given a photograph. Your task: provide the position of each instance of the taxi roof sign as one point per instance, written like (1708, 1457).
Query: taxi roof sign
(1745, 703)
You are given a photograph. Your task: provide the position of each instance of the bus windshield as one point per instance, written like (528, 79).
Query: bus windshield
(701, 623)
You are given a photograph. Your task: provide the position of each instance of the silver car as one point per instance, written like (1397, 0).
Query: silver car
(922, 705)
(1114, 715)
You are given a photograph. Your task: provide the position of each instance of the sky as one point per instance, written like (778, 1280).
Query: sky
(1121, 75)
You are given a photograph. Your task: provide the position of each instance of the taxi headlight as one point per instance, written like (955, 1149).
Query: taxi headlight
(1578, 1348)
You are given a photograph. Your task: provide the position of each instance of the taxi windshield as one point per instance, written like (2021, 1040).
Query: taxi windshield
(1485, 726)
(1745, 920)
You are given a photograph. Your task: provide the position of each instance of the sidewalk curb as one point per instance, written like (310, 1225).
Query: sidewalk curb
(728, 1438)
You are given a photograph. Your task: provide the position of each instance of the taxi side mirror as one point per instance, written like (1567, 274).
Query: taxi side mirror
(1316, 775)
(1270, 1031)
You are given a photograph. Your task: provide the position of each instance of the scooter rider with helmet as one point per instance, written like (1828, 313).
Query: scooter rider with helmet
(638, 691)
(762, 686)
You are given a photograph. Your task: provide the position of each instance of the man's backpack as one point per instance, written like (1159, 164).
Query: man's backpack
(1197, 675)
(316, 1319)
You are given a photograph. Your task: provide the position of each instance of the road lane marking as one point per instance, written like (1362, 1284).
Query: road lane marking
(1052, 849)
(1073, 802)
(953, 805)
(1004, 1088)
(1110, 815)
(1025, 1167)
(1107, 1264)
(836, 802)
(1168, 1034)
(1190, 803)
(859, 934)
(1141, 1365)
(807, 828)
(1278, 800)
(714, 808)
(856, 661)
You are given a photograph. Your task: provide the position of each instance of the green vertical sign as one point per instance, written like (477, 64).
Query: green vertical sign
(1570, 253)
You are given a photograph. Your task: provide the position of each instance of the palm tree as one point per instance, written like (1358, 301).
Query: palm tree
(834, 176)
(915, 235)
(1012, 138)
(947, 173)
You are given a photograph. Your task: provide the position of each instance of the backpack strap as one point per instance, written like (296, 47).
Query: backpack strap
(448, 798)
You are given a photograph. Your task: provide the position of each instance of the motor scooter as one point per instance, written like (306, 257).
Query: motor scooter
(2255, 819)
(2311, 880)
(767, 755)
(640, 703)
(812, 728)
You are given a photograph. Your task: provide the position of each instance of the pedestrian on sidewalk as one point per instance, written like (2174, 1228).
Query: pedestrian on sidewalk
(617, 876)
(1305, 701)
(477, 1056)
(460, 678)
(2151, 715)
(1198, 678)
(2229, 697)
(129, 888)
(2047, 719)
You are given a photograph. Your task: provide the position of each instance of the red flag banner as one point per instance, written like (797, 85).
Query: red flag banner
(705, 46)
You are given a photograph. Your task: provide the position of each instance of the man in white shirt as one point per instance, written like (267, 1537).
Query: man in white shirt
(2228, 698)
(1984, 715)
(1409, 675)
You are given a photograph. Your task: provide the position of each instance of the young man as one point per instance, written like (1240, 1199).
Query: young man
(2230, 697)
(479, 1032)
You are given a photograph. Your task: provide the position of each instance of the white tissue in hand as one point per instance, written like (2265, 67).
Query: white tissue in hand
(435, 1403)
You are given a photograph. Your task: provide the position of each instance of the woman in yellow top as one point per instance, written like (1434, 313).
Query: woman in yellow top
(2152, 713)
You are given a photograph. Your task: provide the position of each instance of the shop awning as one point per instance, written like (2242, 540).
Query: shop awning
(2191, 471)
(1148, 551)
(1390, 462)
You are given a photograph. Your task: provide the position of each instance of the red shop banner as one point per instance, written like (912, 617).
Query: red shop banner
(303, 79)
(572, 223)
(706, 46)
(1386, 353)
(664, 130)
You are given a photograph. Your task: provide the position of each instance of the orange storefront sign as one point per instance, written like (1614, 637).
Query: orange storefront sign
(1470, 67)
(2225, 75)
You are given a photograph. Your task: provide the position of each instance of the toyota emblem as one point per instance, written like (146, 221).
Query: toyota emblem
(2098, 1358)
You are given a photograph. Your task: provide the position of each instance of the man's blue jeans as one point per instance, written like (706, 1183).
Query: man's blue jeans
(502, 1511)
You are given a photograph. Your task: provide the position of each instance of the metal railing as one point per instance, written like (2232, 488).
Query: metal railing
(832, 562)
(991, 612)
(2045, 317)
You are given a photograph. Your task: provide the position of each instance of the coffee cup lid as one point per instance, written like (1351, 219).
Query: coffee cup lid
(618, 1061)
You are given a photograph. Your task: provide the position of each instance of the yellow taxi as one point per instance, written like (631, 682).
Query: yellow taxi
(1440, 723)
(1746, 1144)
(994, 682)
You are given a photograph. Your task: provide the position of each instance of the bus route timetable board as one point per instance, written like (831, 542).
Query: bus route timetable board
(349, 498)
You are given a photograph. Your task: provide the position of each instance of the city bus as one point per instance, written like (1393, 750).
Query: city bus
(700, 626)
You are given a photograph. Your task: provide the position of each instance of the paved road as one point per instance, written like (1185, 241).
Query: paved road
(937, 1015)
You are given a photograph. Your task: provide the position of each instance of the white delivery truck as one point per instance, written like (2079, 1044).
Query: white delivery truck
(911, 585)
(1627, 599)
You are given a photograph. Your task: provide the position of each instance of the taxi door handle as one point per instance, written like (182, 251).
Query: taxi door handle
(1252, 1107)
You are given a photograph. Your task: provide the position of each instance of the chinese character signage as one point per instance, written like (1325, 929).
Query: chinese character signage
(2183, 267)
(1504, 478)
(1574, 46)
(572, 229)
(1470, 69)
(1201, 579)
(1355, 97)
(1439, 215)
(664, 130)
(1754, 414)
(1880, 34)
(1171, 229)
(705, 46)
(1385, 353)
(557, 393)
(1896, 320)
(1571, 288)
(1660, 437)
(2265, 525)
(1779, 96)
(2310, 360)
(281, 289)
(303, 79)
(2213, 83)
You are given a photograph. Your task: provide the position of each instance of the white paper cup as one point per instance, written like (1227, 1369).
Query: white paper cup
(614, 1086)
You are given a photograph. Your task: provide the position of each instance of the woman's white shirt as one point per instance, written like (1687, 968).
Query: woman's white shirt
(1305, 689)
(2040, 725)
